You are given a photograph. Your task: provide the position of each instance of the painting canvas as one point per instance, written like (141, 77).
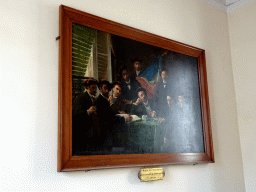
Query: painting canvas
(158, 88)
(129, 98)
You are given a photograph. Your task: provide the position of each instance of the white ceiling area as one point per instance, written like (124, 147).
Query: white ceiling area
(227, 2)
(227, 5)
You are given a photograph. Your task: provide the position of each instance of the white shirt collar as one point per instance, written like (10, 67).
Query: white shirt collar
(128, 81)
(92, 96)
(145, 103)
(114, 96)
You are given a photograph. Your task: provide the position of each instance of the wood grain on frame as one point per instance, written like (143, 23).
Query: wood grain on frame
(67, 162)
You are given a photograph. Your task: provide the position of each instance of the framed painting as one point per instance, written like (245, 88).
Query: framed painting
(129, 98)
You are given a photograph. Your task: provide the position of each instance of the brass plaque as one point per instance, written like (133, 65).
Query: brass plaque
(151, 174)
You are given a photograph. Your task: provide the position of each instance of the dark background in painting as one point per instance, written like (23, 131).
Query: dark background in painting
(127, 49)
(185, 132)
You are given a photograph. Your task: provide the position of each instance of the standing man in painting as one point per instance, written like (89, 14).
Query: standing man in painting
(84, 126)
(137, 65)
(108, 119)
(129, 86)
(163, 97)
(165, 106)
(175, 138)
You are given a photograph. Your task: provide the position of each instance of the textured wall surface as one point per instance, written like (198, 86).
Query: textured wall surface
(242, 30)
(29, 95)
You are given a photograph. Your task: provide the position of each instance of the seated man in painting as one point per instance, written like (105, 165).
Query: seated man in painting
(116, 101)
(151, 130)
(109, 121)
(84, 125)
(119, 106)
(145, 106)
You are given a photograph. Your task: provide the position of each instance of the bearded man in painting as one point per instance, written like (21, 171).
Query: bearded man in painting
(109, 120)
(116, 101)
(129, 86)
(163, 96)
(84, 123)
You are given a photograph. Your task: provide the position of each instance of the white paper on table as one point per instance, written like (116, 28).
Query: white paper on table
(134, 117)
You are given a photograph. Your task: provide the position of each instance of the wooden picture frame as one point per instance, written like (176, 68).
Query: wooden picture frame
(66, 160)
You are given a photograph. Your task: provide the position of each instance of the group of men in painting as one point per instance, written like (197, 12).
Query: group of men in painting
(96, 120)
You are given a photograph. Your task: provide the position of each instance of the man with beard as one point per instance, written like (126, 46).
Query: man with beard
(109, 121)
(119, 106)
(84, 126)
(163, 97)
(151, 129)
(129, 86)
(137, 65)
(116, 101)
(145, 106)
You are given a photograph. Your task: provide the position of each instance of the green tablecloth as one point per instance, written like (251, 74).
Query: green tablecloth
(146, 137)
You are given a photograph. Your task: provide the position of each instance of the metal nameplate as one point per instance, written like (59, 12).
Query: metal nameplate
(151, 174)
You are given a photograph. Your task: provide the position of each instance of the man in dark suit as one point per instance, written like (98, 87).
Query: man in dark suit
(119, 106)
(145, 106)
(84, 126)
(116, 101)
(109, 121)
(137, 65)
(163, 96)
(165, 105)
(175, 139)
(129, 86)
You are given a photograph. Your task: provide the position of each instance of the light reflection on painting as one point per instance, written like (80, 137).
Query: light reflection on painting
(132, 98)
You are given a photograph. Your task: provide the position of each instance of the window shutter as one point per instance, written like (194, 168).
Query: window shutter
(91, 53)
(82, 42)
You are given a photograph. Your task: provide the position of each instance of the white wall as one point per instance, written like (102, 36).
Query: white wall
(29, 95)
(242, 30)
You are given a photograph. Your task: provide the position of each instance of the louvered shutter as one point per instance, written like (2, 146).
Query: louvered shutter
(91, 56)
(103, 56)
(82, 42)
